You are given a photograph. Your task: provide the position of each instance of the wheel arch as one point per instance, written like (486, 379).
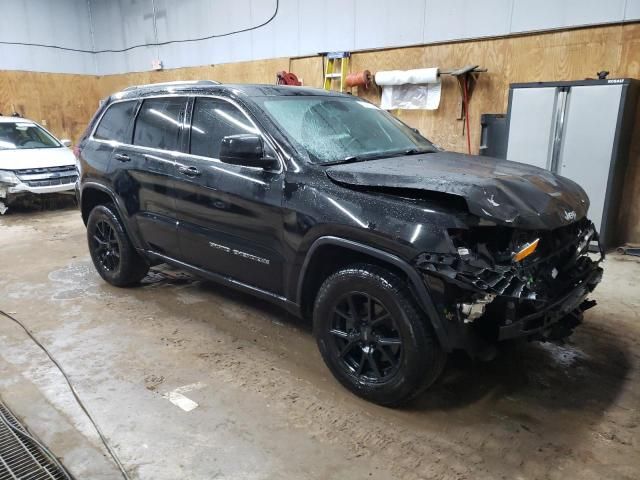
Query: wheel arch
(322, 260)
(93, 194)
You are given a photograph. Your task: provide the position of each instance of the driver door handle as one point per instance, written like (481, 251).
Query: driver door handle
(122, 157)
(188, 171)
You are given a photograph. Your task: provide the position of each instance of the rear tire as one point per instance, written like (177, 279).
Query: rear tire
(387, 352)
(113, 255)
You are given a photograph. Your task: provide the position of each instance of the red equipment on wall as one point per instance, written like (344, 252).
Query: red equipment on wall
(287, 78)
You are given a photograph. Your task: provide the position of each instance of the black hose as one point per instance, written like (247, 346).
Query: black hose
(156, 44)
(73, 391)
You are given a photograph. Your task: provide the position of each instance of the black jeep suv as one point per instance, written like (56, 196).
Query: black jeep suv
(329, 206)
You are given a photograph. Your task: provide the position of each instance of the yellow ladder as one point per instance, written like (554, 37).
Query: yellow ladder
(331, 73)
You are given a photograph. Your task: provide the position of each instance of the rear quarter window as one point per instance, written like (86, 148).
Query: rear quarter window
(114, 124)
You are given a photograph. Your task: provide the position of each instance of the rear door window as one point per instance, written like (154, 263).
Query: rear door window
(159, 123)
(214, 119)
(114, 124)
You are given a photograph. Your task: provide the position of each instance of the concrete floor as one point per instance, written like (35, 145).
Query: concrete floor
(267, 406)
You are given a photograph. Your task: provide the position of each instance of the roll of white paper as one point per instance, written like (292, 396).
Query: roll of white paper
(404, 77)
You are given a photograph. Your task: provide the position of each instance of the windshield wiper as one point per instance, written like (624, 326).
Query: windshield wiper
(354, 158)
(378, 155)
(415, 151)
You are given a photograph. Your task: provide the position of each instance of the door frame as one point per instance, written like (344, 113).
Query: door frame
(246, 173)
(261, 131)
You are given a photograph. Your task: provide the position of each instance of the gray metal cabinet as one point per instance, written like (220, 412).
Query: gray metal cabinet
(580, 130)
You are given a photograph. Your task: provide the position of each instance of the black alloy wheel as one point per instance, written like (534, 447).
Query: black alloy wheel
(106, 246)
(113, 255)
(373, 337)
(366, 337)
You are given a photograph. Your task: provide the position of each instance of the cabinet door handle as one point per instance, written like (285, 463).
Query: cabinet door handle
(122, 157)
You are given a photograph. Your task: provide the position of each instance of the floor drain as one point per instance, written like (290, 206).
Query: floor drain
(21, 456)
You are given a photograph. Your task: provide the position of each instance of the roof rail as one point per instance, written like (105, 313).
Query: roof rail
(176, 83)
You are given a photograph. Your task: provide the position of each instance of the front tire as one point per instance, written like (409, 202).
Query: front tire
(113, 255)
(373, 337)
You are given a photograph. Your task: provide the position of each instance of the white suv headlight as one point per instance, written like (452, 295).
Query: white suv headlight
(7, 176)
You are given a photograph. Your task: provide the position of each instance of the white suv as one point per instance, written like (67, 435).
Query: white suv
(32, 161)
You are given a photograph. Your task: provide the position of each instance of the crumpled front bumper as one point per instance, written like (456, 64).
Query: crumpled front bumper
(16, 193)
(39, 181)
(542, 298)
(21, 188)
(545, 322)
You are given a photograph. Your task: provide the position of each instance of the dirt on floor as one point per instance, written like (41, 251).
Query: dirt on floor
(267, 407)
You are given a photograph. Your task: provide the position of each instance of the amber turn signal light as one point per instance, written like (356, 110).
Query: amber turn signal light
(525, 251)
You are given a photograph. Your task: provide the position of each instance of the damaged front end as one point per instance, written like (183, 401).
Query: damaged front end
(27, 185)
(8, 181)
(505, 283)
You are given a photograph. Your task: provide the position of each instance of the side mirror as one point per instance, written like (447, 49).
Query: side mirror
(65, 142)
(245, 149)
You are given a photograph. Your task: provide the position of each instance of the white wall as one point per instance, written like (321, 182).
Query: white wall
(64, 23)
(302, 27)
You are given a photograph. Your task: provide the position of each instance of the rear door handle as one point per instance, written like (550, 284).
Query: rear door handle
(121, 157)
(188, 171)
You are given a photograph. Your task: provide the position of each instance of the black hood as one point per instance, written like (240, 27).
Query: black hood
(508, 193)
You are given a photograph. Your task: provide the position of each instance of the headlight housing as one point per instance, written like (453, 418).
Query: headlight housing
(7, 176)
(526, 250)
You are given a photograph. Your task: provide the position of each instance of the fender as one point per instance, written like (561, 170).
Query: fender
(418, 286)
(121, 210)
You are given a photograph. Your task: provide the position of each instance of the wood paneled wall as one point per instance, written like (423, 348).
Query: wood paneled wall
(259, 71)
(67, 102)
(63, 103)
(567, 55)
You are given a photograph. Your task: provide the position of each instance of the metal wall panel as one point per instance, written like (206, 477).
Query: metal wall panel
(43, 21)
(339, 34)
(119, 24)
(302, 27)
(632, 10)
(174, 20)
(549, 14)
(306, 28)
(456, 19)
(223, 20)
(278, 39)
(380, 23)
(312, 23)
